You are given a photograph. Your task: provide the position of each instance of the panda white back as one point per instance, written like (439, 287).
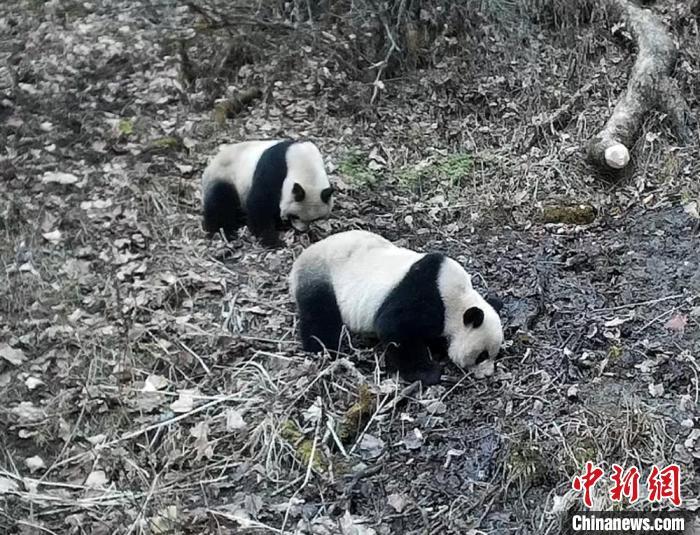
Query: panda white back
(235, 164)
(362, 268)
(366, 279)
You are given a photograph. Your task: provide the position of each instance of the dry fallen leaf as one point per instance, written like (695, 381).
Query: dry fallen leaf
(12, 355)
(371, 446)
(436, 407)
(185, 402)
(59, 178)
(154, 383)
(165, 521)
(97, 480)
(313, 413)
(204, 448)
(234, 420)
(450, 454)
(397, 502)
(656, 390)
(54, 236)
(34, 463)
(615, 322)
(484, 369)
(677, 323)
(692, 209)
(28, 412)
(414, 439)
(32, 382)
(97, 439)
(351, 525)
(7, 485)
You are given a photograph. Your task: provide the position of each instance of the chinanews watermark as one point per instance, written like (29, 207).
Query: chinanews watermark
(660, 486)
(628, 523)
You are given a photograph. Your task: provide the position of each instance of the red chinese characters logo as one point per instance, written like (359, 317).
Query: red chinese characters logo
(626, 484)
(587, 481)
(662, 484)
(665, 484)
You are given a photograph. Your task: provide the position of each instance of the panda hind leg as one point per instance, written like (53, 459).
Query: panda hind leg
(412, 360)
(320, 322)
(222, 210)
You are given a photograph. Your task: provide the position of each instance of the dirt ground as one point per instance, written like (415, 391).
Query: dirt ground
(151, 380)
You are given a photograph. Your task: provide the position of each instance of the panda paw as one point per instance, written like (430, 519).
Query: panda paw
(271, 241)
(428, 375)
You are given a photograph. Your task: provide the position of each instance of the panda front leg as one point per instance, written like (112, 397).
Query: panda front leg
(269, 237)
(265, 230)
(263, 217)
(411, 358)
(320, 322)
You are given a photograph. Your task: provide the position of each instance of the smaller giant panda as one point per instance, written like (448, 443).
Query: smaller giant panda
(263, 184)
(417, 303)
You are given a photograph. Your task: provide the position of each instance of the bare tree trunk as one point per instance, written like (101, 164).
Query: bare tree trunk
(649, 86)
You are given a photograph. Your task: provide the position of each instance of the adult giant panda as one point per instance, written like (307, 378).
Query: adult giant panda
(262, 184)
(416, 303)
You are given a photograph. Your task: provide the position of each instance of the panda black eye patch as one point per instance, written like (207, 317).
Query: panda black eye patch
(326, 194)
(298, 192)
(474, 316)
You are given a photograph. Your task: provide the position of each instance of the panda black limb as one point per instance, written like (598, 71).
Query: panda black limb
(222, 210)
(320, 322)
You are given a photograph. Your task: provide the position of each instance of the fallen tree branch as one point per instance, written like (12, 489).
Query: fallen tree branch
(649, 86)
(230, 107)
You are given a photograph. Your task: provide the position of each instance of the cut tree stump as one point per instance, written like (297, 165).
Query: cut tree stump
(650, 85)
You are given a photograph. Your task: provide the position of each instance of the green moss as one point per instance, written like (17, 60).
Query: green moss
(575, 214)
(222, 111)
(526, 463)
(303, 447)
(615, 352)
(451, 171)
(583, 449)
(355, 167)
(126, 127)
(455, 169)
(166, 143)
(357, 415)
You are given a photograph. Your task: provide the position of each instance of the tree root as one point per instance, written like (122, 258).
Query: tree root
(649, 86)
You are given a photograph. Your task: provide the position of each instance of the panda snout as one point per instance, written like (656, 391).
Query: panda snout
(298, 224)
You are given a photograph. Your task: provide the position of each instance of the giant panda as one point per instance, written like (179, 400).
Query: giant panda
(416, 303)
(263, 184)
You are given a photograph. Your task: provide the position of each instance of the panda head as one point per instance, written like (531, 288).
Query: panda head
(473, 328)
(308, 206)
(307, 194)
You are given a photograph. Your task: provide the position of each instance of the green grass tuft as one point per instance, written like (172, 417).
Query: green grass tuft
(450, 171)
(355, 167)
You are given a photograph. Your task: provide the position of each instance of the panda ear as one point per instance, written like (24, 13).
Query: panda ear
(326, 194)
(298, 192)
(474, 316)
(495, 302)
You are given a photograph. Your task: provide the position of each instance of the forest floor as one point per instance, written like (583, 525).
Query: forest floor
(151, 380)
